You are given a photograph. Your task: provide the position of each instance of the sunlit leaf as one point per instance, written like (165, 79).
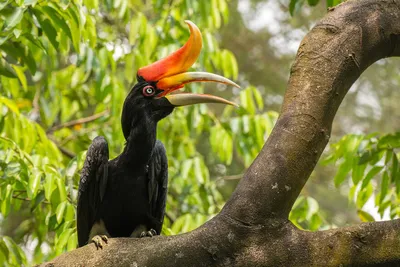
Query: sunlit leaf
(6, 69)
(14, 18)
(384, 186)
(6, 202)
(363, 195)
(371, 173)
(342, 171)
(60, 212)
(365, 216)
(21, 76)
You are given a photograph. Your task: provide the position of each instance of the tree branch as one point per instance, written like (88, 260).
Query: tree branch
(253, 229)
(78, 121)
(365, 244)
(331, 57)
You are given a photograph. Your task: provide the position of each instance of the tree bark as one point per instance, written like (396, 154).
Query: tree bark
(253, 228)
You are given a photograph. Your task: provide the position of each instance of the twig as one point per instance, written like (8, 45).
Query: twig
(20, 192)
(28, 199)
(63, 150)
(82, 132)
(78, 121)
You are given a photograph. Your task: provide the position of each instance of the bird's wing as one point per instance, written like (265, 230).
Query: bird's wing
(92, 187)
(158, 184)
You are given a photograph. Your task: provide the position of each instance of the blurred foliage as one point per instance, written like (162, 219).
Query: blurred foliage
(65, 68)
(370, 163)
(295, 5)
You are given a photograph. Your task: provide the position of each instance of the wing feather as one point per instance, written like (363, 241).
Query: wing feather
(158, 184)
(92, 186)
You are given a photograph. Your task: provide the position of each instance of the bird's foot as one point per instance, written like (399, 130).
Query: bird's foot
(149, 233)
(100, 241)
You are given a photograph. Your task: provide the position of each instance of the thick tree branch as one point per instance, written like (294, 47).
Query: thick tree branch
(252, 229)
(360, 245)
(331, 57)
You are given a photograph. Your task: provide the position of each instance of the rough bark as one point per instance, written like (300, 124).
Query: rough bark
(253, 229)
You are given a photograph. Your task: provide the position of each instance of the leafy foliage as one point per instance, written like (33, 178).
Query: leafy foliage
(371, 165)
(295, 5)
(63, 61)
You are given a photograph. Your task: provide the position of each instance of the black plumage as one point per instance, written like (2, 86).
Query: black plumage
(126, 196)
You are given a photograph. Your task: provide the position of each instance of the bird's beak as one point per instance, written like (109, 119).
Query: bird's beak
(169, 73)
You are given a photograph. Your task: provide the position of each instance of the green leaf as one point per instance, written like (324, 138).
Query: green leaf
(371, 173)
(358, 172)
(61, 189)
(3, 4)
(343, 170)
(258, 97)
(6, 69)
(352, 193)
(50, 32)
(384, 186)
(332, 3)
(21, 76)
(295, 5)
(38, 199)
(14, 18)
(63, 239)
(16, 252)
(21, 54)
(388, 157)
(6, 203)
(34, 40)
(34, 183)
(4, 249)
(72, 242)
(91, 31)
(30, 2)
(75, 26)
(92, 4)
(57, 20)
(198, 170)
(204, 197)
(60, 211)
(363, 195)
(313, 207)
(390, 141)
(3, 39)
(313, 2)
(365, 216)
(49, 186)
(395, 168)
(17, 33)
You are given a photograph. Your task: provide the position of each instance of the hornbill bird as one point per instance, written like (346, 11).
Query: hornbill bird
(126, 196)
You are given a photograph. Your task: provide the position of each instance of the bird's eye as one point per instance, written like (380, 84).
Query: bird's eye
(148, 90)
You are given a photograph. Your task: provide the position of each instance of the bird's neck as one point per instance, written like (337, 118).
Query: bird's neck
(140, 143)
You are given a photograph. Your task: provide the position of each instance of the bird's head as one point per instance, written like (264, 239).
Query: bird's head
(155, 95)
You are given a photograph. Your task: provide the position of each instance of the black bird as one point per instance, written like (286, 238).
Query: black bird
(126, 196)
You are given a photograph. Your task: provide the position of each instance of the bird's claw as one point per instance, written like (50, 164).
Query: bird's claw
(100, 241)
(149, 233)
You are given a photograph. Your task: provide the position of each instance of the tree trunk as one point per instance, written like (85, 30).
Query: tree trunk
(253, 228)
